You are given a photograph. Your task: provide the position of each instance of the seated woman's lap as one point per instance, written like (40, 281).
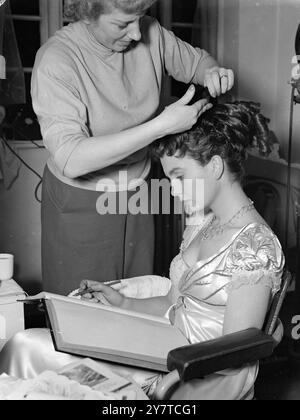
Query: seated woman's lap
(30, 352)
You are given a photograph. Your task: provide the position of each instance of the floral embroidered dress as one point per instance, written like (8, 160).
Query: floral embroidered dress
(199, 295)
(253, 256)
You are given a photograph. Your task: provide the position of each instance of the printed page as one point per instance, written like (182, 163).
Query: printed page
(95, 375)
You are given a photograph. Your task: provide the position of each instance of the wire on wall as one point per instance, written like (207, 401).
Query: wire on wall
(28, 167)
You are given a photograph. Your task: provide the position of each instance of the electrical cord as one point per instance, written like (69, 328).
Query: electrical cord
(28, 167)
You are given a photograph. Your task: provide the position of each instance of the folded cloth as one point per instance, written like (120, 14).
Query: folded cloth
(9, 165)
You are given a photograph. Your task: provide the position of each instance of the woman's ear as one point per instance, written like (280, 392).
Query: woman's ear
(217, 167)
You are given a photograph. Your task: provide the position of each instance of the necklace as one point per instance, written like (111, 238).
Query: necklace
(211, 231)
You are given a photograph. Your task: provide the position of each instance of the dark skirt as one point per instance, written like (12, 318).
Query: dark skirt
(78, 243)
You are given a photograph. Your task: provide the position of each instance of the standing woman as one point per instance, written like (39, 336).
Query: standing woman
(96, 88)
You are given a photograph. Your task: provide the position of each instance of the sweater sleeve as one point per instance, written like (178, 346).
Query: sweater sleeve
(182, 61)
(61, 113)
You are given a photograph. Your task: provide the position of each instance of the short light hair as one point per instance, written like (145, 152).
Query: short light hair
(92, 9)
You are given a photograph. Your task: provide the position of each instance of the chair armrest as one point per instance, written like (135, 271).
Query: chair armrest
(230, 351)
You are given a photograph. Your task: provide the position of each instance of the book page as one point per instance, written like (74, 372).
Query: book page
(113, 333)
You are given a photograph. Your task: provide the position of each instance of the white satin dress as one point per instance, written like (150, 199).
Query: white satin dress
(199, 295)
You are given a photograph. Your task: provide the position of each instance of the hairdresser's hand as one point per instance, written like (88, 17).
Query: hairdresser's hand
(101, 293)
(218, 81)
(180, 116)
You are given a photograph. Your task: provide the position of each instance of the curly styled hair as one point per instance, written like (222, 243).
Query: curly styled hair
(92, 9)
(227, 130)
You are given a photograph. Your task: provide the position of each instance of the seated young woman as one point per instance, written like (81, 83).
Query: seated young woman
(227, 271)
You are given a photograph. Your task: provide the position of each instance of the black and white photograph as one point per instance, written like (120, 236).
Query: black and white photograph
(149, 203)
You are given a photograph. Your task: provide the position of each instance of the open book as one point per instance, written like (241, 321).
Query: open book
(109, 333)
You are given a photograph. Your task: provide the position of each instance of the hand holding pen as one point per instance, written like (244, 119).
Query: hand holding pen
(103, 293)
(86, 290)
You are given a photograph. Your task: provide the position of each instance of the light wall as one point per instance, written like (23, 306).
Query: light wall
(259, 38)
(20, 227)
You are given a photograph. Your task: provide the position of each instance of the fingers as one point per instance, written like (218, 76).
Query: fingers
(100, 298)
(92, 287)
(86, 284)
(204, 109)
(213, 83)
(96, 293)
(100, 287)
(219, 81)
(96, 298)
(202, 106)
(87, 296)
(227, 80)
(223, 80)
(187, 97)
(91, 299)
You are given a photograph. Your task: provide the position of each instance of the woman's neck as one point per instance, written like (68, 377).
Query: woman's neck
(229, 201)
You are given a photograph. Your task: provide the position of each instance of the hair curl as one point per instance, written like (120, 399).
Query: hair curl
(92, 9)
(227, 130)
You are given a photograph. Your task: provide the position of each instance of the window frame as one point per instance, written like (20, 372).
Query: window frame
(166, 20)
(49, 18)
(42, 18)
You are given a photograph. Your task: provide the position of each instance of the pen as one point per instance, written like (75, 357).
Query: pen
(90, 290)
(111, 283)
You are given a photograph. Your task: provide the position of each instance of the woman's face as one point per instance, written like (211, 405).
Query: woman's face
(116, 29)
(192, 183)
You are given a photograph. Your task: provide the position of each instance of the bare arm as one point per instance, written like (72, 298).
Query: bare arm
(250, 291)
(246, 308)
(105, 294)
(153, 306)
